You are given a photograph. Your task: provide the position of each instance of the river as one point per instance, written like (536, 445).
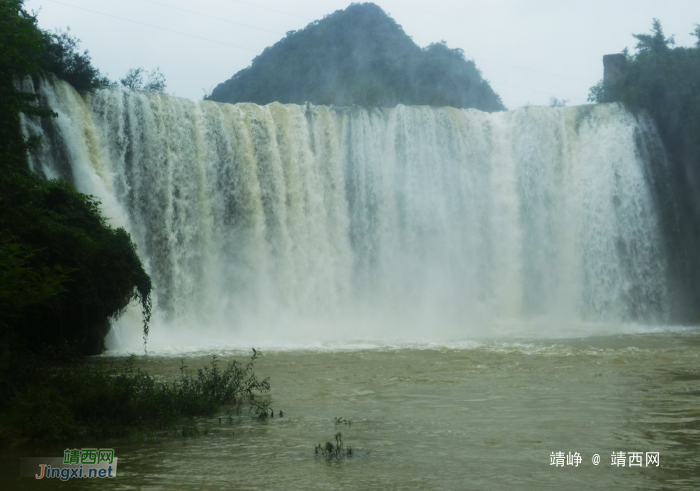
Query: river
(484, 414)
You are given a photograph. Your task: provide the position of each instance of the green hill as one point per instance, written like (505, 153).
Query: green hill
(361, 56)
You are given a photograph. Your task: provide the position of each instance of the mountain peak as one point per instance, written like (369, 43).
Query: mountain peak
(361, 56)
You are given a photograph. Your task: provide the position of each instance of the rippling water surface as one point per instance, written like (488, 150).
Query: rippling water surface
(466, 415)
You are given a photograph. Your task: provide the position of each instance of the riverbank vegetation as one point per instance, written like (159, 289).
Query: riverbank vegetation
(57, 396)
(361, 56)
(64, 271)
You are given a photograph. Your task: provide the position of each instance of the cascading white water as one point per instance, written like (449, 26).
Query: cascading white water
(299, 222)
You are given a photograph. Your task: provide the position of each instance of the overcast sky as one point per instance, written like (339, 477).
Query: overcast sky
(530, 50)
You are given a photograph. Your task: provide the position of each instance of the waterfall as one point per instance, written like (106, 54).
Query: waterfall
(286, 221)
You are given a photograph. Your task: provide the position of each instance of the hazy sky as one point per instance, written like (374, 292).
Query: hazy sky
(530, 50)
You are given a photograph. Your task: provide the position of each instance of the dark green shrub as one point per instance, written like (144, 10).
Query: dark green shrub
(75, 272)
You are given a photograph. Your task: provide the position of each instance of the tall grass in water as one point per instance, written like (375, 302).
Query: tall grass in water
(76, 398)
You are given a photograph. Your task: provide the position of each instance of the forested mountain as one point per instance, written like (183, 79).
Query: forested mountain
(361, 56)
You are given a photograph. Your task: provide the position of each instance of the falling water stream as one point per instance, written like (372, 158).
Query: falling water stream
(473, 291)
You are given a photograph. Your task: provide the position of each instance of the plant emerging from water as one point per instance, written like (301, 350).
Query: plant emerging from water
(331, 451)
(214, 387)
(263, 409)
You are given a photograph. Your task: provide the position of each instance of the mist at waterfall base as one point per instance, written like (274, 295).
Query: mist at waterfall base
(289, 226)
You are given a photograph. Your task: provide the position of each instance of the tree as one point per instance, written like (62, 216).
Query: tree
(62, 58)
(21, 47)
(134, 80)
(554, 102)
(655, 42)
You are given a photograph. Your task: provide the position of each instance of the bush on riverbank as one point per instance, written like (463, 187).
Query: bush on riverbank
(50, 403)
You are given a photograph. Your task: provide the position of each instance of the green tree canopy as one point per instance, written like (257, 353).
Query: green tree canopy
(655, 42)
(61, 57)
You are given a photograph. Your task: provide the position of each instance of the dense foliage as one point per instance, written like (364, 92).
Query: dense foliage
(84, 270)
(63, 270)
(361, 56)
(664, 81)
(21, 48)
(61, 57)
